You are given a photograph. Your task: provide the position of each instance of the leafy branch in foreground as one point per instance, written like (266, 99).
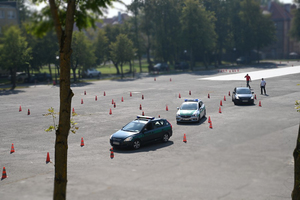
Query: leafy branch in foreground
(51, 112)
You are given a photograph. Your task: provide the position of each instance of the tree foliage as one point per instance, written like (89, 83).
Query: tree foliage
(15, 53)
(122, 51)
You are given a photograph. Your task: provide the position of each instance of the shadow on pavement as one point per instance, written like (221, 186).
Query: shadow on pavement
(10, 92)
(145, 148)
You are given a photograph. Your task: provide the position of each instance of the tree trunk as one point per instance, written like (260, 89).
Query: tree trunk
(50, 71)
(64, 36)
(13, 76)
(122, 75)
(296, 155)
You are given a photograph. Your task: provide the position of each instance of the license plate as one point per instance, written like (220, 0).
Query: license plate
(245, 101)
(116, 143)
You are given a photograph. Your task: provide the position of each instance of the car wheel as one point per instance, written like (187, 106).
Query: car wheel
(136, 144)
(165, 137)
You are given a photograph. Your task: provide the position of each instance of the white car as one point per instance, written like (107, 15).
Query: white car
(191, 110)
(91, 73)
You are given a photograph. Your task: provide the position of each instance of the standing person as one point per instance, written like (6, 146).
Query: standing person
(263, 86)
(248, 79)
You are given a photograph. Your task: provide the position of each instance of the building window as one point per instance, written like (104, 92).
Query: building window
(1, 14)
(11, 14)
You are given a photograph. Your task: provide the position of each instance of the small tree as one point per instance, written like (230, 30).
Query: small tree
(83, 54)
(15, 53)
(122, 51)
(62, 15)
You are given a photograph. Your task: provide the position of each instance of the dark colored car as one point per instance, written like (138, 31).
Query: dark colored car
(41, 77)
(182, 65)
(161, 67)
(242, 95)
(142, 130)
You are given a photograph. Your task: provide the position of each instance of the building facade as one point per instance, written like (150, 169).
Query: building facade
(8, 14)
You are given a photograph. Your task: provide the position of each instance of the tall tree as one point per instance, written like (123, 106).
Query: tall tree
(112, 31)
(101, 47)
(122, 51)
(198, 29)
(83, 56)
(15, 53)
(61, 15)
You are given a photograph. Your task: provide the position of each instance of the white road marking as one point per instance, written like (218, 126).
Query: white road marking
(255, 75)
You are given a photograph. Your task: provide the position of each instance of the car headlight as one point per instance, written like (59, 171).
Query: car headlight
(128, 139)
(178, 114)
(110, 136)
(252, 97)
(237, 97)
(195, 114)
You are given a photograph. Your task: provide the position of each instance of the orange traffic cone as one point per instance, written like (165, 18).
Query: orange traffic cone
(73, 110)
(229, 93)
(170, 79)
(84, 92)
(28, 113)
(143, 113)
(20, 109)
(140, 106)
(142, 96)
(220, 111)
(110, 112)
(167, 108)
(259, 104)
(122, 99)
(208, 96)
(96, 98)
(112, 101)
(4, 175)
(255, 96)
(130, 94)
(154, 79)
(81, 101)
(184, 139)
(210, 125)
(104, 93)
(179, 96)
(112, 153)
(221, 104)
(190, 92)
(115, 104)
(224, 98)
(12, 150)
(158, 116)
(48, 158)
(82, 142)
(209, 121)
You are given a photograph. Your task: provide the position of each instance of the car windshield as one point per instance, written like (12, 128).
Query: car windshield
(189, 106)
(134, 126)
(243, 91)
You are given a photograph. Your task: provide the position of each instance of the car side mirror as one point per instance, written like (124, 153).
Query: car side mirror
(177, 108)
(233, 92)
(252, 92)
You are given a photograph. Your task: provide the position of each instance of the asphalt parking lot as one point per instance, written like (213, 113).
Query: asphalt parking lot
(246, 155)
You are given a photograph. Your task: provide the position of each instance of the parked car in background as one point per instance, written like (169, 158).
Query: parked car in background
(161, 67)
(21, 77)
(90, 73)
(40, 77)
(182, 65)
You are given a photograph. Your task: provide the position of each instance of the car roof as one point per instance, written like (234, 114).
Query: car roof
(242, 88)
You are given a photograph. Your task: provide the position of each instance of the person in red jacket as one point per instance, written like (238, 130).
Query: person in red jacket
(248, 79)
